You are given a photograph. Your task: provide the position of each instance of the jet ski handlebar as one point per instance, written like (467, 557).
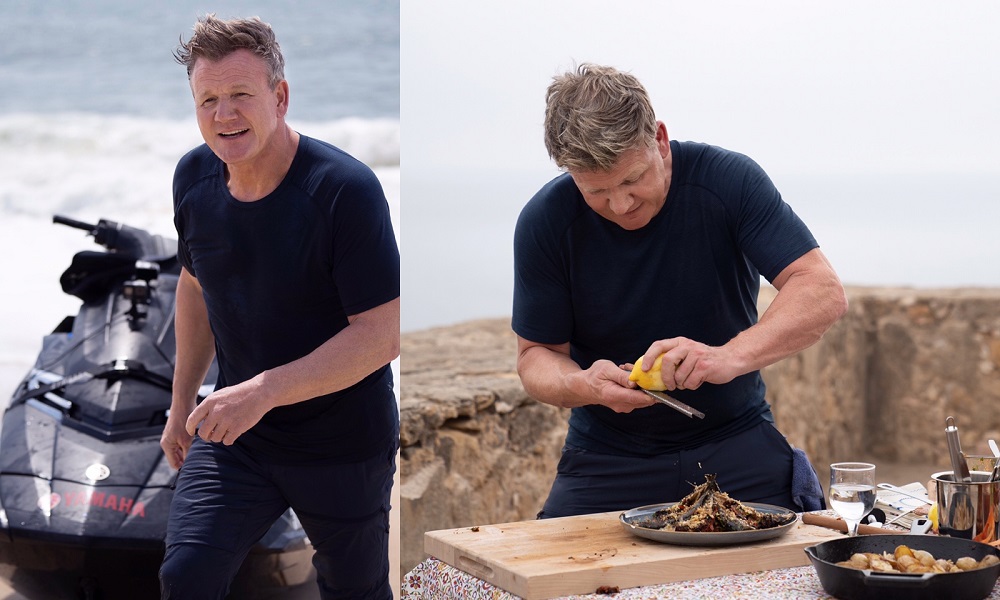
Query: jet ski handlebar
(114, 236)
(61, 220)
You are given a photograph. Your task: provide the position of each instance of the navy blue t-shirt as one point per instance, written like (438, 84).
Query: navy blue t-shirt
(280, 276)
(693, 271)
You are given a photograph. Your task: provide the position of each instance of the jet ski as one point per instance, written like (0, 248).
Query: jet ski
(84, 487)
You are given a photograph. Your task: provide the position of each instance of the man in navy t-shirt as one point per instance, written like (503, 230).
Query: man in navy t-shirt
(652, 247)
(291, 281)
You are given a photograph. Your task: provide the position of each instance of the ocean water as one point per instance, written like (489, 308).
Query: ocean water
(95, 114)
(115, 56)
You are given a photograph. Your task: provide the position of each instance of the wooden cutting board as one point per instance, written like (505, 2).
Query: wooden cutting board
(576, 555)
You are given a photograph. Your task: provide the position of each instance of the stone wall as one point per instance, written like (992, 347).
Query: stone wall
(883, 379)
(477, 450)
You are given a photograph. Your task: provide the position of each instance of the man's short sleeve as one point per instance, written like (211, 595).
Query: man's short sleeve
(543, 306)
(365, 263)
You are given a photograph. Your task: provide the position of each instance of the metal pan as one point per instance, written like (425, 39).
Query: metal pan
(846, 583)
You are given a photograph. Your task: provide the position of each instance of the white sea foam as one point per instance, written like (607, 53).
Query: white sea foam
(91, 166)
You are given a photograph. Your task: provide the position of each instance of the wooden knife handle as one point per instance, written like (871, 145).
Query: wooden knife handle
(838, 524)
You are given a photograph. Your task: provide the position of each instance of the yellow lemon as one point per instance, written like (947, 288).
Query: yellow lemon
(648, 380)
(933, 516)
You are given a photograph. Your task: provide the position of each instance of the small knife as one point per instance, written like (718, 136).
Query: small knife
(675, 404)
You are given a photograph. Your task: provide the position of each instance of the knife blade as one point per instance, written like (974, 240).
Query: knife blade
(675, 404)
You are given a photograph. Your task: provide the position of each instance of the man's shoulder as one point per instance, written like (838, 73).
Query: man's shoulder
(719, 171)
(559, 200)
(197, 165)
(560, 185)
(699, 158)
(322, 162)
(324, 155)
(696, 152)
(330, 176)
(198, 157)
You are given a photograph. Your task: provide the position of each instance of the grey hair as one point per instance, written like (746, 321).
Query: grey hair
(215, 39)
(593, 115)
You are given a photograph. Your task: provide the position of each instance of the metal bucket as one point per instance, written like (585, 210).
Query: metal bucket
(968, 510)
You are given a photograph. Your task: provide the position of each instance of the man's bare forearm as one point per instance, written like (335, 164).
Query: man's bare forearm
(545, 374)
(195, 343)
(810, 300)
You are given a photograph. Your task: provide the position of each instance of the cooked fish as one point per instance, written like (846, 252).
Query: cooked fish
(708, 509)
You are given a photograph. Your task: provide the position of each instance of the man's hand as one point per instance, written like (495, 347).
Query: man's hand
(687, 364)
(228, 413)
(175, 441)
(549, 375)
(608, 385)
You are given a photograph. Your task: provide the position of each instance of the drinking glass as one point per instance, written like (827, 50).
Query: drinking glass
(852, 492)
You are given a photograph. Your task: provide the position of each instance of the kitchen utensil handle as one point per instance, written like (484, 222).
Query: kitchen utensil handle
(920, 526)
(838, 524)
(963, 467)
(960, 470)
(475, 567)
(892, 488)
(898, 580)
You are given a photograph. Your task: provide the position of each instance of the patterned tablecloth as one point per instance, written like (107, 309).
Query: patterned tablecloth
(435, 580)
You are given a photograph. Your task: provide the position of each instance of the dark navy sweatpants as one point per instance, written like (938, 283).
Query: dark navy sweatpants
(225, 501)
(753, 466)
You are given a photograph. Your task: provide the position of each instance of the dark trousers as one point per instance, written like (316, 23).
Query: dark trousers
(752, 466)
(225, 501)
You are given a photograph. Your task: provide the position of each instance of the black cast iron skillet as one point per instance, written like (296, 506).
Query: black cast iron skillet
(846, 583)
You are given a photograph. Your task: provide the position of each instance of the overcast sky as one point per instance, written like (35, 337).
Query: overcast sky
(855, 86)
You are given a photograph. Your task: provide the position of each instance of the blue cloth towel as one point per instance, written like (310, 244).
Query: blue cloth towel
(807, 493)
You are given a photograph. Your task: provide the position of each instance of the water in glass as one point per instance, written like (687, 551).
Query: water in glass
(852, 492)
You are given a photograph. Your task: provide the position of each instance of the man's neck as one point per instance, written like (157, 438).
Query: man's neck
(251, 182)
